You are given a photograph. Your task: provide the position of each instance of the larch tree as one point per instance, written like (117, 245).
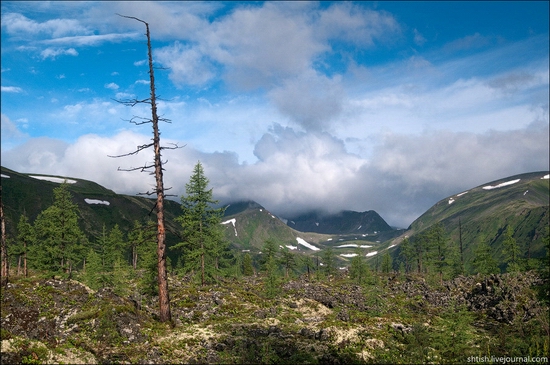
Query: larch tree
(202, 232)
(387, 265)
(162, 273)
(288, 260)
(512, 251)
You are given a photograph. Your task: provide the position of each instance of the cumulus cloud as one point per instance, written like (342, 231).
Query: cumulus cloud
(112, 86)
(310, 99)
(188, 66)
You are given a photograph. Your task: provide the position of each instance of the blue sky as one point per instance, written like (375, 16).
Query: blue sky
(389, 106)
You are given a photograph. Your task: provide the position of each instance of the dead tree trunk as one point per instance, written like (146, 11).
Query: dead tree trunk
(162, 277)
(3, 245)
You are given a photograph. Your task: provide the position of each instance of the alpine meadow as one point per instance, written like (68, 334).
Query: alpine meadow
(275, 182)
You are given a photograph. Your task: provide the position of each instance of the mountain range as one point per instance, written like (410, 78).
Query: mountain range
(520, 201)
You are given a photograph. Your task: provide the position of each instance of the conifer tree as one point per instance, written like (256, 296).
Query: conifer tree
(308, 263)
(58, 233)
(287, 260)
(386, 263)
(358, 268)
(484, 262)
(115, 247)
(407, 254)
(25, 239)
(94, 275)
(270, 250)
(512, 251)
(438, 241)
(328, 261)
(247, 268)
(202, 232)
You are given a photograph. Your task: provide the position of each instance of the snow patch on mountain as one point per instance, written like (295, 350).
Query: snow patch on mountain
(371, 253)
(546, 177)
(353, 245)
(348, 254)
(451, 201)
(391, 246)
(232, 221)
(490, 187)
(290, 247)
(303, 242)
(96, 201)
(6, 176)
(58, 180)
(466, 192)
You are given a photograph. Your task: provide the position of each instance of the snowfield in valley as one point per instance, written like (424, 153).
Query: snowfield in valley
(303, 242)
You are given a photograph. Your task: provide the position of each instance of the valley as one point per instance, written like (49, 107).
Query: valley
(350, 290)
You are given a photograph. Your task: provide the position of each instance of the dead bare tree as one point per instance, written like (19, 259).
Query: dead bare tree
(164, 297)
(3, 246)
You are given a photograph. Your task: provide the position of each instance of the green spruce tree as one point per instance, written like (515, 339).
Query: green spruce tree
(202, 233)
(58, 234)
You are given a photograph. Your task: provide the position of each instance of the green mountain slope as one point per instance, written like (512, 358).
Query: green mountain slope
(248, 225)
(25, 194)
(520, 201)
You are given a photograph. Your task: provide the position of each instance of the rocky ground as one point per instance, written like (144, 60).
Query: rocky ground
(63, 321)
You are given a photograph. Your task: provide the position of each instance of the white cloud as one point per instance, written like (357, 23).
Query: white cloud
(187, 65)
(19, 25)
(54, 52)
(11, 89)
(355, 24)
(112, 86)
(92, 40)
(311, 99)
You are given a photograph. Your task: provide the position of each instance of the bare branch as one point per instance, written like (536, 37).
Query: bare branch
(143, 168)
(138, 149)
(131, 17)
(133, 102)
(174, 147)
(132, 120)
